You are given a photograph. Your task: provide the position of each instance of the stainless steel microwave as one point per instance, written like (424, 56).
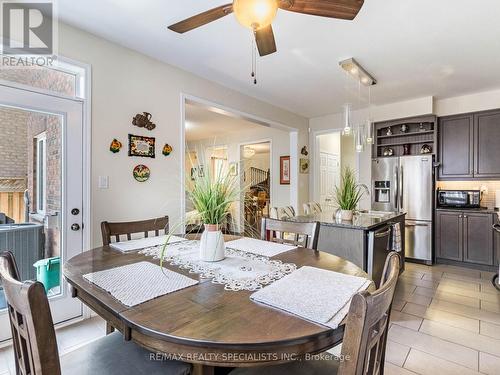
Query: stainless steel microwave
(459, 198)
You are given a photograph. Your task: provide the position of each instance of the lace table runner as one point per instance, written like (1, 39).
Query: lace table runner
(139, 282)
(142, 243)
(259, 247)
(240, 270)
(318, 295)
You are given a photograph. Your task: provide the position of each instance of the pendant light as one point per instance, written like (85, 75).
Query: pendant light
(369, 122)
(347, 120)
(359, 134)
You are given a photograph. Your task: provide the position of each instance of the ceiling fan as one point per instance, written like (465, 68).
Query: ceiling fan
(259, 14)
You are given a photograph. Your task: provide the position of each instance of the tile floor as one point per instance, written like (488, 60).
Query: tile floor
(445, 320)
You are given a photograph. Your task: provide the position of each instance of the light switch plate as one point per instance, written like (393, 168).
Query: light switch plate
(103, 182)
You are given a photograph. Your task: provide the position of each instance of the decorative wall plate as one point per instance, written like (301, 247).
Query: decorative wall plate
(141, 146)
(143, 121)
(141, 173)
(115, 146)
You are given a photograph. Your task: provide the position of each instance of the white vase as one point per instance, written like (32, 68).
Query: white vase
(346, 215)
(212, 247)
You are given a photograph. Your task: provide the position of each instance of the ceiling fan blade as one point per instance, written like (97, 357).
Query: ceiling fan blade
(265, 40)
(343, 9)
(201, 19)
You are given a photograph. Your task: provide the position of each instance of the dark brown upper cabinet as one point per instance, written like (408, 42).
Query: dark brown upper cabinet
(487, 151)
(469, 146)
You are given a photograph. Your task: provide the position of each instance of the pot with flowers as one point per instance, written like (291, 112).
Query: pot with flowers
(348, 195)
(212, 197)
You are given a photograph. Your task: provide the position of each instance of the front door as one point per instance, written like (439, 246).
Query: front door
(41, 192)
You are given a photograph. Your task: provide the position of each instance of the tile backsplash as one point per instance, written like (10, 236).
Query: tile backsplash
(488, 187)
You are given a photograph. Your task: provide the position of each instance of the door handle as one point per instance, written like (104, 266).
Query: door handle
(496, 227)
(416, 225)
(401, 193)
(75, 227)
(396, 190)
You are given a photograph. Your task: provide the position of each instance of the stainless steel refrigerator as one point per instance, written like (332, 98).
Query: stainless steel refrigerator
(405, 184)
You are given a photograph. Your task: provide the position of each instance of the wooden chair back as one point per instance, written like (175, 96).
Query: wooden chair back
(33, 335)
(305, 234)
(116, 230)
(367, 324)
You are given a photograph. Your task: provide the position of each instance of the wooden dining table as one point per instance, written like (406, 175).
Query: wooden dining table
(205, 324)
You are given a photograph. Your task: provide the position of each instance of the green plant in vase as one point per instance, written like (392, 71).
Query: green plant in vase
(348, 194)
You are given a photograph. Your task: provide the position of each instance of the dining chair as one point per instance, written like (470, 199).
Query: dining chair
(365, 335)
(128, 228)
(288, 232)
(35, 343)
(312, 208)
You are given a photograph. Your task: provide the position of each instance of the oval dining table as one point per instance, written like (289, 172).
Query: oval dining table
(205, 324)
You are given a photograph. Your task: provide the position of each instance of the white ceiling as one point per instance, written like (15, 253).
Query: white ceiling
(413, 48)
(202, 123)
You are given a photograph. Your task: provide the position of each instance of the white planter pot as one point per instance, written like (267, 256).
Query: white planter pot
(212, 247)
(346, 215)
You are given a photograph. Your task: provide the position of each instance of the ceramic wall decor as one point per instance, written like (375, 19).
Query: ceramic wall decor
(426, 149)
(141, 146)
(143, 120)
(389, 131)
(388, 151)
(194, 173)
(304, 165)
(404, 128)
(233, 169)
(304, 151)
(284, 170)
(201, 171)
(115, 146)
(167, 149)
(141, 173)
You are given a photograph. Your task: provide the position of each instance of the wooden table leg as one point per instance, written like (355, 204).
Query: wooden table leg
(203, 369)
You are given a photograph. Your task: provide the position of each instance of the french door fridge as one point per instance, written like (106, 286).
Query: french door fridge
(405, 184)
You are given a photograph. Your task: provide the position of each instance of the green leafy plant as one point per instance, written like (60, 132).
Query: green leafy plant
(349, 193)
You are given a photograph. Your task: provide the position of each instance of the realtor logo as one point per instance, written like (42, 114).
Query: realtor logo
(28, 28)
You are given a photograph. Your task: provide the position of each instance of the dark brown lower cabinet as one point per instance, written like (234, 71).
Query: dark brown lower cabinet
(465, 237)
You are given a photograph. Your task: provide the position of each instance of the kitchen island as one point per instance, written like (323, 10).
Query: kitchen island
(364, 241)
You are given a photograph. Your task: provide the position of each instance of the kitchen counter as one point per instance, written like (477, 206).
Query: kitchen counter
(483, 210)
(363, 241)
(361, 221)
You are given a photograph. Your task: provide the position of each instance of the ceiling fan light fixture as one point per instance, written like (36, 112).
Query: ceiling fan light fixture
(255, 14)
(354, 69)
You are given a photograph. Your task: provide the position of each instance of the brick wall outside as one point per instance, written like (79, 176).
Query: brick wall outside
(13, 143)
(42, 78)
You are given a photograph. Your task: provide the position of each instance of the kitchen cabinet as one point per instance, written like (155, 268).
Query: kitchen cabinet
(469, 146)
(465, 236)
(487, 151)
(456, 146)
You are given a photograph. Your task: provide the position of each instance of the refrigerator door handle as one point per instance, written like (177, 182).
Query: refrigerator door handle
(401, 189)
(396, 190)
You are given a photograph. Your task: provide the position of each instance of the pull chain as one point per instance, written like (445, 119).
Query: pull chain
(254, 61)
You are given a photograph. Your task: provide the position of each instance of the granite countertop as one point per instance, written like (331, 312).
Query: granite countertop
(362, 221)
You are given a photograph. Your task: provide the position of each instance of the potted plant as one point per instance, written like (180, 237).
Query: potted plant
(212, 197)
(348, 194)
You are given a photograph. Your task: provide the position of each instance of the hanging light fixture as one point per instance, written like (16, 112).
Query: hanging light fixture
(369, 122)
(347, 120)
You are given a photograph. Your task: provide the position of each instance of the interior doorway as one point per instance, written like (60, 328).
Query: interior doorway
(256, 182)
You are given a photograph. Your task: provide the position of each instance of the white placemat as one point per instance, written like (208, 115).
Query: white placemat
(259, 247)
(314, 294)
(142, 243)
(139, 282)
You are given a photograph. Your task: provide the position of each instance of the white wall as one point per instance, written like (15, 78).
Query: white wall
(124, 83)
(330, 143)
(468, 103)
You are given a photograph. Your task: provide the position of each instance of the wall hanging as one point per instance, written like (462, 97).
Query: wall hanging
(233, 169)
(141, 173)
(115, 146)
(194, 172)
(141, 146)
(304, 151)
(201, 171)
(143, 121)
(304, 165)
(167, 149)
(284, 170)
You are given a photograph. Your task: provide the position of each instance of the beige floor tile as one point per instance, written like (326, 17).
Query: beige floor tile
(405, 287)
(76, 335)
(398, 304)
(470, 312)
(413, 274)
(489, 329)
(406, 320)
(414, 298)
(456, 298)
(466, 285)
(462, 337)
(487, 287)
(489, 364)
(436, 277)
(447, 288)
(460, 271)
(487, 275)
(433, 345)
(491, 306)
(425, 291)
(391, 369)
(444, 317)
(418, 282)
(426, 364)
(396, 353)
